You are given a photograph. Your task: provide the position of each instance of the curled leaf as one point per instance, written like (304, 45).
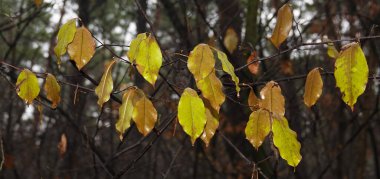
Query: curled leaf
(105, 87)
(283, 25)
(258, 127)
(285, 139)
(228, 68)
(82, 48)
(201, 61)
(191, 114)
(27, 86)
(351, 73)
(53, 90)
(313, 87)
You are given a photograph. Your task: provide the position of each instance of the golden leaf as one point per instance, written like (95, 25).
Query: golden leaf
(231, 40)
(53, 90)
(351, 73)
(210, 128)
(285, 139)
(253, 101)
(134, 47)
(313, 87)
(27, 86)
(82, 48)
(145, 115)
(272, 99)
(201, 61)
(258, 127)
(191, 114)
(126, 109)
(149, 59)
(283, 25)
(105, 87)
(211, 88)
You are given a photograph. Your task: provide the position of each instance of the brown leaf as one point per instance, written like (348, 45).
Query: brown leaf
(313, 87)
(254, 67)
(253, 101)
(272, 99)
(231, 40)
(283, 25)
(62, 145)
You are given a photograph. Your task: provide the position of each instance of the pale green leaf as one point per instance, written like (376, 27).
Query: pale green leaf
(27, 86)
(228, 68)
(65, 36)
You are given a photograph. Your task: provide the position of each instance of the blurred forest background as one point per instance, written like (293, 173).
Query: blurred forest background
(336, 143)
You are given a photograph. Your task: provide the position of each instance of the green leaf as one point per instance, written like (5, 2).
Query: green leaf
(27, 86)
(272, 99)
(351, 73)
(149, 59)
(283, 25)
(53, 90)
(201, 61)
(134, 47)
(331, 51)
(211, 88)
(65, 36)
(144, 115)
(286, 141)
(258, 127)
(228, 68)
(82, 48)
(313, 87)
(105, 87)
(191, 114)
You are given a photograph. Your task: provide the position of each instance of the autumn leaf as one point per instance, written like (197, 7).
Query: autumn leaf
(82, 48)
(272, 99)
(228, 68)
(254, 67)
(212, 124)
(149, 59)
(53, 90)
(145, 115)
(351, 73)
(212, 90)
(283, 25)
(135, 46)
(62, 145)
(201, 61)
(313, 87)
(285, 139)
(191, 114)
(27, 86)
(38, 3)
(65, 36)
(231, 40)
(126, 109)
(105, 87)
(331, 51)
(258, 127)
(253, 101)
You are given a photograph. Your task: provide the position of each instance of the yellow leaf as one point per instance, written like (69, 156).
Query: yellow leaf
(283, 25)
(313, 87)
(53, 90)
(65, 36)
(27, 85)
(253, 101)
(285, 139)
(211, 88)
(82, 48)
(38, 3)
(149, 59)
(228, 68)
(351, 73)
(331, 51)
(145, 115)
(126, 109)
(210, 128)
(258, 127)
(105, 87)
(272, 99)
(191, 114)
(134, 47)
(201, 61)
(231, 40)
